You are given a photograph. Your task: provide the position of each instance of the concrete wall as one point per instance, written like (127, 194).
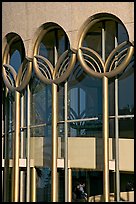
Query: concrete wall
(126, 154)
(83, 152)
(88, 153)
(25, 18)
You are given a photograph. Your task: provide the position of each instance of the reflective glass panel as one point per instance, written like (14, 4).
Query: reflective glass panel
(126, 90)
(43, 187)
(112, 128)
(110, 33)
(85, 129)
(126, 128)
(93, 38)
(41, 102)
(17, 54)
(121, 33)
(84, 95)
(111, 87)
(53, 44)
(61, 98)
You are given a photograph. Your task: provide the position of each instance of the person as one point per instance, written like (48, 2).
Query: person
(80, 187)
(80, 193)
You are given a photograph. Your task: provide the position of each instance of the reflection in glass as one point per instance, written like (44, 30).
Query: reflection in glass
(61, 107)
(93, 181)
(122, 34)
(15, 60)
(93, 38)
(61, 140)
(43, 184)
(112, 128)
(85, 129)
(41, 145)
(126, 90)
(17, 54)
(46, 48)
(53, 39)
(10, 117)
(40, 102)
(111, 87)
(112, 29)
(84, 95)
(110, 33)
(23, 144)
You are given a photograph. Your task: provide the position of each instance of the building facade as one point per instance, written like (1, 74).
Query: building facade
(67, 101)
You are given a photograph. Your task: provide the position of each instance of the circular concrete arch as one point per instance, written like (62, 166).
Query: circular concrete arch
(102, 66)
(7, 43)
(53, 71)
(20, 75)
(94, 19)
(46, 26)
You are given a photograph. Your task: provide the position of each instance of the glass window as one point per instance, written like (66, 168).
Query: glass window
(93, 38)
(85, 129)
(43, 191)
(61, 108)
(40, 102)
(126, 128)
(109, 29)
(84, 95)
(54, 40)
(17, 54)
(122, 34)
(52, 46)
(126, 90)
(110, 33)
(111, 87)
(112, 128)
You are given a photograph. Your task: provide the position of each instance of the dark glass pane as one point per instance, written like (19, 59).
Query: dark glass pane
(61, 107)
(111, 97)
(127, 181)
(23, 143)
(61, 183)
(126, 128)
(93, 38)
(41, 102)
(8, 192)
(112, 135)
(112, 128)
(122, 34)
(43, 191)
(46, 48)
(61, 140)
(110, 33)
(54, 39)
(126, 90)
(17, 54)
(86, 129)
(93, 184)
(15, 60)
(24, 100)
(84, 95)
(63, 43)
(9, 117)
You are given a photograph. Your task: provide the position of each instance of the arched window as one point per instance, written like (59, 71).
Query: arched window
(52, 43)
